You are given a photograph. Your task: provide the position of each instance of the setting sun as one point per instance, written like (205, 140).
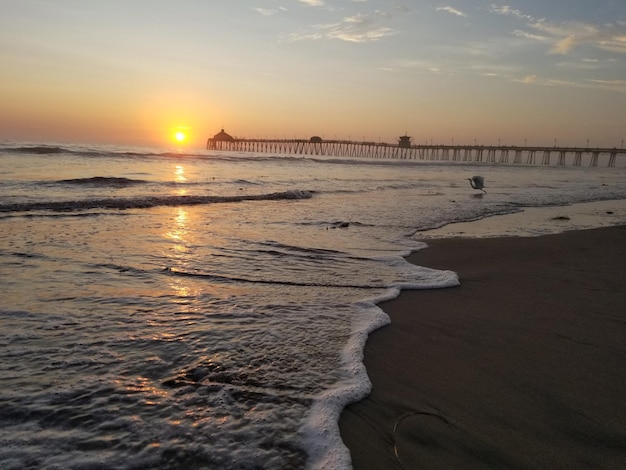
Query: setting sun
(180, 136)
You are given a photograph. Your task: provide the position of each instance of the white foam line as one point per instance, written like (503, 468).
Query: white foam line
(321, 430)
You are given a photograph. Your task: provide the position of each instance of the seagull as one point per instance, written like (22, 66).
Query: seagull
(477, 182)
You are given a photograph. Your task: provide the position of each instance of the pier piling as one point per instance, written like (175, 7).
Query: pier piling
(455, 153)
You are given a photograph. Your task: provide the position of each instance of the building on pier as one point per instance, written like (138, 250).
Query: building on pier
(404, 142)
(220, 141)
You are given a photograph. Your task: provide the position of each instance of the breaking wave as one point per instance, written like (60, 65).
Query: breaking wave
(41, 150)
(142, 153)
(230, 279)
(146, 202)
(103, 181)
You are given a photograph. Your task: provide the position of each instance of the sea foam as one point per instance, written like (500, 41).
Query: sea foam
(321, 430)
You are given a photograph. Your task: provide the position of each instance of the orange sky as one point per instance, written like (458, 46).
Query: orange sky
(109, 73)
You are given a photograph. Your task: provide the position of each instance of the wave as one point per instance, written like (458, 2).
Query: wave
(39, 149)
(246, 182)
(229, 279)
(300, 250)
(104, 181)
(147, 202)
(95, 151)
(53, 215)
(131, 152)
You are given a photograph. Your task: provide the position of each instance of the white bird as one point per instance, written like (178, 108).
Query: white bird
(477, 182)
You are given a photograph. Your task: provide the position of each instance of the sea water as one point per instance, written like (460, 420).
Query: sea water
(193, 309)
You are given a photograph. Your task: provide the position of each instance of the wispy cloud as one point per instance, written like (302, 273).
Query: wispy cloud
(598, 84)
(530, 79)
(570, 35)
(527, 35)
(507, 10)
(419, 65)
(358, 29)
(269, 11)
(564, 37)
(265, 11)
(451, 10)
(452, 67)
(615, 85)
(585, 64)
(313, 3)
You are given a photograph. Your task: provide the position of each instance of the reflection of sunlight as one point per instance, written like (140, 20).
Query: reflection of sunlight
(178, 232)
(181, 218)
(181, 289)
(179, 174)
(180, 251)
(145, 386)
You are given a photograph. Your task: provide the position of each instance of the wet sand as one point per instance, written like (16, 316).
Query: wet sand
(522, 366)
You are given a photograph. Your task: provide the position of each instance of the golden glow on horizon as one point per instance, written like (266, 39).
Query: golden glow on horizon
(452, 88)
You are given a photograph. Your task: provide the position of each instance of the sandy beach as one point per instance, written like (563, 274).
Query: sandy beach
(521, 366)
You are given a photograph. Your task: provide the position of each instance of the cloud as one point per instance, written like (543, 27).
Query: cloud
(567, 36)
(451, 10)
(536, 80)
(564, 37)
(508, 11)
(585, 64)
(358, 29)
(527, 35)
(265, 11)
(597, 84)
(614, 85)
(269, 11)
(313, 3)
(421, 66)
(564, 45)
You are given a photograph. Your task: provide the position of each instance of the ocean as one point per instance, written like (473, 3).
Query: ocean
(176, 309)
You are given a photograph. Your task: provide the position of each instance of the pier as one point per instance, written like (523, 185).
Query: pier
(404, 150)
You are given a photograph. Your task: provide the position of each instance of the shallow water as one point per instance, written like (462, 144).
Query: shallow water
(207, 310)
(534, 221)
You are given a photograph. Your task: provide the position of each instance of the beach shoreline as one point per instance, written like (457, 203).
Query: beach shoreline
(520, 366)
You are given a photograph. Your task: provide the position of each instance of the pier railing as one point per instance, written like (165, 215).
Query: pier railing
(455, 153)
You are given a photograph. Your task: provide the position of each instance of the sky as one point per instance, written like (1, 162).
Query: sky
(135, 72)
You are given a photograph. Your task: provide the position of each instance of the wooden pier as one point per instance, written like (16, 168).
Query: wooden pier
(577, 156)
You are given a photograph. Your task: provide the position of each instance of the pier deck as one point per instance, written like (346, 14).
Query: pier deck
(576, 156)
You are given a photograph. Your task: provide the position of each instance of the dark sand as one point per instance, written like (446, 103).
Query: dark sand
(522, 366)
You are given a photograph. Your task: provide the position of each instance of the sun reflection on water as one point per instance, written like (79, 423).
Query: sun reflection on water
(144, 386)
(181, 288)
(179, 231)
(179, 254)
(179, 177)
(180, 174)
